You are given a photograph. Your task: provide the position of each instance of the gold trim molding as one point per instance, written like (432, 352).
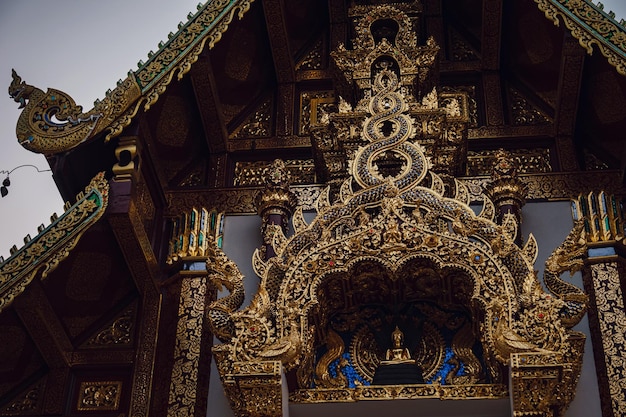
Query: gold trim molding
(399, 392)
(54, 243)
(590, 27)
(541, 187)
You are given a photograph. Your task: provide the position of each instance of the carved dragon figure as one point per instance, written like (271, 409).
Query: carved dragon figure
(568, 257)
(20, 91)
(223, 272)
(51, 122)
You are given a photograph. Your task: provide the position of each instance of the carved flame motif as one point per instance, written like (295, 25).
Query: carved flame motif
(387, 219)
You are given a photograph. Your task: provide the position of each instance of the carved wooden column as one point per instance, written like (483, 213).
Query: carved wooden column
(191, 356)
(608, 323)
(275, 204)
(506, 190)
(190, 288)
(604, 280)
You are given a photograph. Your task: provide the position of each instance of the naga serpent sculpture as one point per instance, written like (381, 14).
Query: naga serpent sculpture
(51, 122)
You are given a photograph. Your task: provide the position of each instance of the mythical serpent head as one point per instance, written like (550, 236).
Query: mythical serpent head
(19, 90)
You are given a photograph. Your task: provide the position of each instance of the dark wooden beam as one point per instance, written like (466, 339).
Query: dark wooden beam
(275, 21)
(48, 334)
(570, 79)
(127, 225)
(209, 106)
(491, 34)
(44, 326)
(492, 88)
(338, 16)
(434, 25)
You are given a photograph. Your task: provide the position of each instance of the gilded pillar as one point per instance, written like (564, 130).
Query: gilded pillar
(604, 279)
(193, 235)
(609, 329)
(506, 190)
(188, 384)
(275, 204)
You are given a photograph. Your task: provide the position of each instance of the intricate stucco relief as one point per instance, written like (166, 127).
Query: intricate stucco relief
(395, 217)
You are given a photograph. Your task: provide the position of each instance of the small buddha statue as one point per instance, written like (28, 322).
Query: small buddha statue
(398, 367)
(398, 352)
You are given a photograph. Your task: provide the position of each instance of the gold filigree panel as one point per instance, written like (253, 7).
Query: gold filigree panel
(313, 59)
(528, 161)
(28, 402)
(313, 104)
(99, 396)
(187, 348)
(612, 320)
(251, 174)
(118, 332)
(393, 392)
(257, 125)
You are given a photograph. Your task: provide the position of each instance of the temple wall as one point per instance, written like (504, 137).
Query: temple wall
(550, 222)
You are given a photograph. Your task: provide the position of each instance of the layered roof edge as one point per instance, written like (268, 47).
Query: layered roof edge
(53, 243)
(587, 22)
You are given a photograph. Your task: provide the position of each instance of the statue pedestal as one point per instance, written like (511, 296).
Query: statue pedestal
(398, 374)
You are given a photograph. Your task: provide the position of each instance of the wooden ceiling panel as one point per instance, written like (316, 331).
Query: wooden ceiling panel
(533, 56)
(242, 62)
(19, 357)
(90, 283)
(601, 117)
(305, 20)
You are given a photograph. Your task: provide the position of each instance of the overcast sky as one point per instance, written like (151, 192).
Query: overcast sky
(81, 47)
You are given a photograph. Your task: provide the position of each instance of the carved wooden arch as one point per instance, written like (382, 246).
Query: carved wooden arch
(301, 280)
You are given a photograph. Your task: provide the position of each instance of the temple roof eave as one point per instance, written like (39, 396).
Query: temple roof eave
(53, 244)
(142, 88)
(139, 90)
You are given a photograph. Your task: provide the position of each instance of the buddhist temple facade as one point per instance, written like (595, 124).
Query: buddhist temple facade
(341, 207)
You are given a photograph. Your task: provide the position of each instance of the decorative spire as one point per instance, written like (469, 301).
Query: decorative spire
(275, 204)
(506, 190)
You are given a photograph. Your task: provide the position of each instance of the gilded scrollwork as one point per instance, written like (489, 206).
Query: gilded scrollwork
(45, 251)
(591, 27)
(392, 245)
(99, 396)
(611, 317)
(251, 174)
(51, 122)
(187, 348)
(118, 332)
